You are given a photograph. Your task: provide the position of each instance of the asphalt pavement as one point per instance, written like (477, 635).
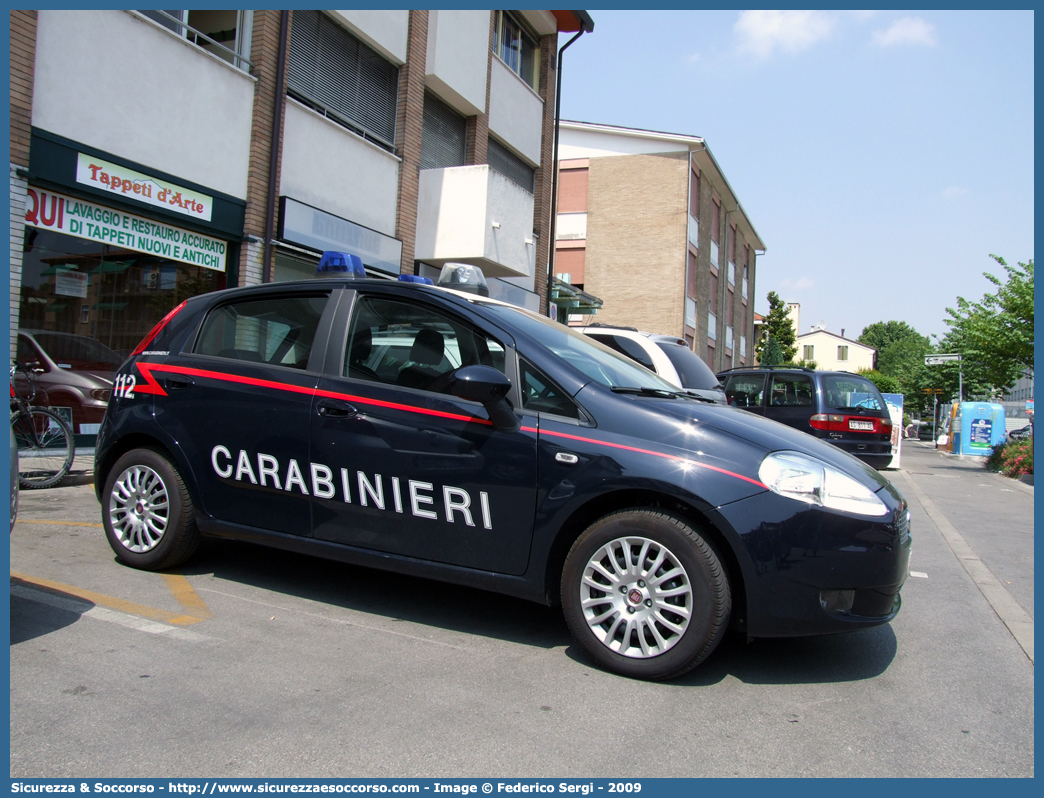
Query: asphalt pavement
(253, 662)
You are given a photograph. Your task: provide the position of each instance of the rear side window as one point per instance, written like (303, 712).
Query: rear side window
(745, 390)
(791, 390)
(694, 373)
(541, 395)
(849, 392)
(278, 331)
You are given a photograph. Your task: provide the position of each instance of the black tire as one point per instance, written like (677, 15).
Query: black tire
(651, 565)
(149, 517)
(45, 458)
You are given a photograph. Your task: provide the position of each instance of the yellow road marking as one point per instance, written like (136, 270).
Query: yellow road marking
(112, 602)
(187, 597)
(56, 523)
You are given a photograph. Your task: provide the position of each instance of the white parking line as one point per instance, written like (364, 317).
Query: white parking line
(88, 610)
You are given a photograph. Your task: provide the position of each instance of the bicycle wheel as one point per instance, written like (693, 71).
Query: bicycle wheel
(45, 448)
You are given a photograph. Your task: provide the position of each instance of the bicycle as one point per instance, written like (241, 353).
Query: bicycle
(45, 441)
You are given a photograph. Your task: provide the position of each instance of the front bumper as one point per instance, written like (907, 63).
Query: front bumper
(812, 571)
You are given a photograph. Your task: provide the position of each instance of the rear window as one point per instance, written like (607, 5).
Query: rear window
(849, 392)
(692, 371)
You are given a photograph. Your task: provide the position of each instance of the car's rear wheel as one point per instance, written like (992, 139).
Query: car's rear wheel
(149, 517)
(645, 595)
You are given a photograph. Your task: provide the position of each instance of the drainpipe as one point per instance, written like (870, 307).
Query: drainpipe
(554, 172)
(273, 162)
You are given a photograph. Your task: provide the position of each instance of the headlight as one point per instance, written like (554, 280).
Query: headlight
(101, 394)
(798, 476)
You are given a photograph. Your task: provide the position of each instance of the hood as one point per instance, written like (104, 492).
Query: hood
(768, 434)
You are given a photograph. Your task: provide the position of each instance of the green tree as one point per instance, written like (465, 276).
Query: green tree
(780, 329)
(996, 333)
(884, 383)
(771, 353)
(900, 360)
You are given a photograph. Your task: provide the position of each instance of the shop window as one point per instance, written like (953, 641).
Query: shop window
(443, 135)
(277, 331)
(111, 295)
(340, 77)
(517, 48)
(225, 34)
(511, 166)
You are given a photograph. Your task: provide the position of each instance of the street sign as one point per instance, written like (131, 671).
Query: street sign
(938, 360)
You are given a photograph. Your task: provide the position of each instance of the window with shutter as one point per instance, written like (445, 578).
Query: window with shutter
(443, 135)
(511, 166)
(342, 78)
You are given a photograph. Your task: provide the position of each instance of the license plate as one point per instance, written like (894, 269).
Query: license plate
(862, 425)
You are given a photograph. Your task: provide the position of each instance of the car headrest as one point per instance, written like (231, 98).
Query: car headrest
(427, 347)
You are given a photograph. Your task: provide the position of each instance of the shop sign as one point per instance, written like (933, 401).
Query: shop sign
(311, 227)
(48, 210)
(124, 182)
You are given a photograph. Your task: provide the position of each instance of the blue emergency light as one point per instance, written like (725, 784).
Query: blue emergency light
(416, 278)
(340, 264)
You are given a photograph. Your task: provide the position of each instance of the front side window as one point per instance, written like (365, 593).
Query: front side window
(541, 395)
(342, 78)
(414, 346)
(517, 48)
(278, 331)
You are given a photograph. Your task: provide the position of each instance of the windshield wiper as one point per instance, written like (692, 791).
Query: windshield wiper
(663, 393)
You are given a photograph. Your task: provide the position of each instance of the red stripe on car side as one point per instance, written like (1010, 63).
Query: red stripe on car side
(147, 368)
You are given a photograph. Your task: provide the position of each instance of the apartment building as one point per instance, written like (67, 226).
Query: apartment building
(647, 222)
(156, 155)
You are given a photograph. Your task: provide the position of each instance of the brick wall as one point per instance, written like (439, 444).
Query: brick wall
(23, 62)
(409, 118)
(264, 53)
(636, 240)
(476, 143)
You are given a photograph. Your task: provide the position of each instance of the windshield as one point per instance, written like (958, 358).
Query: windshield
(849, 392)
(595, 360)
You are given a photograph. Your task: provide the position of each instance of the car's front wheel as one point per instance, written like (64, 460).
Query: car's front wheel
(645, 595)
(148, 514)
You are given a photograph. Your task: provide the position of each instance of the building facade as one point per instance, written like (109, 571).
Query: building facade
(647, 222)
(833, 352)
(211, 149)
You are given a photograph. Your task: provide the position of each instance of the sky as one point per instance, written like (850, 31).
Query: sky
(882, 156)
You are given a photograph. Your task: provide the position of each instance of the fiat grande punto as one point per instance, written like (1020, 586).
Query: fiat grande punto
(432, 431)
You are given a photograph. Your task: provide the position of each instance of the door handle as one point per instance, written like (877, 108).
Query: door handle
(330, 408)
(178, 381)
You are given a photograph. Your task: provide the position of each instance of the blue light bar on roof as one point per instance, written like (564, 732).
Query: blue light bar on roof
(416, 278)
(340, 264)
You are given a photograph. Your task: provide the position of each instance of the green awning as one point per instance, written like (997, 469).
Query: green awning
(112, 267)
(58, 268)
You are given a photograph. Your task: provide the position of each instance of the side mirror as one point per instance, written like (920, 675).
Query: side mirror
(489, 387)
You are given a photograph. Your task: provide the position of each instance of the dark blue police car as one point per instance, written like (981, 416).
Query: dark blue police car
(440, 433)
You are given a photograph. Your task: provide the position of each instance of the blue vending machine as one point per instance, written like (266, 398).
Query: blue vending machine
(982, 428)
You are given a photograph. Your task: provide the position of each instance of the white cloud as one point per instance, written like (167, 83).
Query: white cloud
(954, 192)
(762, 32)
(908, 30)
(693, 58)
